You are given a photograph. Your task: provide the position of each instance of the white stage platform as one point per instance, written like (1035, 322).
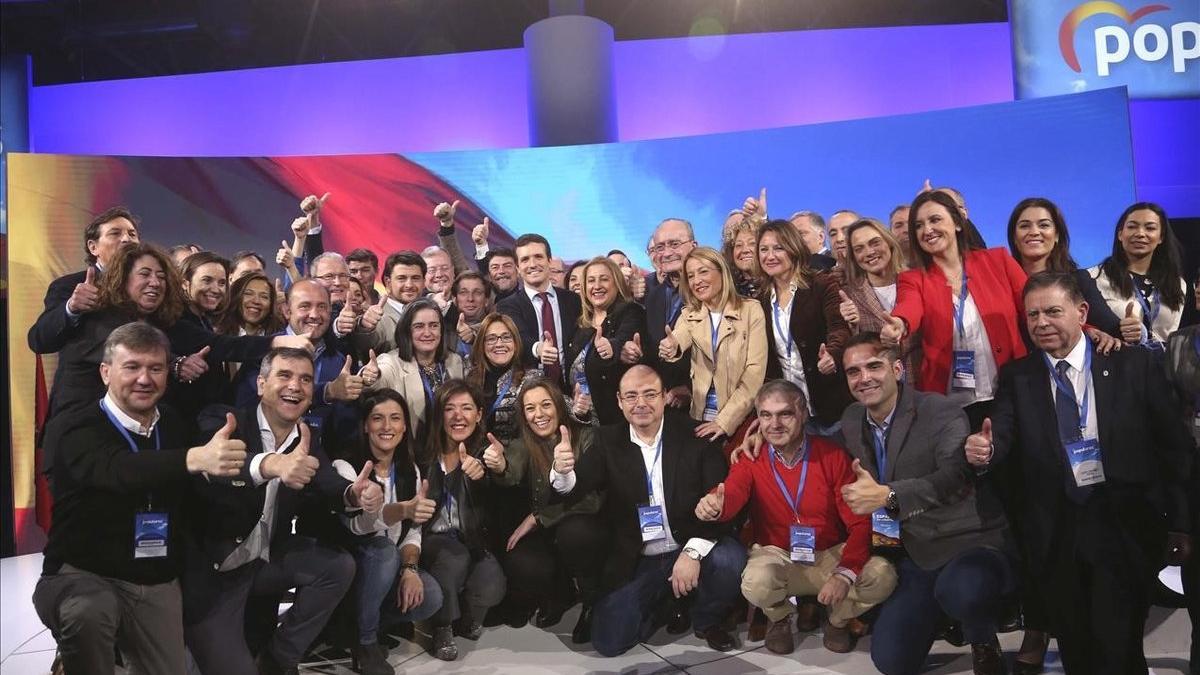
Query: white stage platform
(27, 648)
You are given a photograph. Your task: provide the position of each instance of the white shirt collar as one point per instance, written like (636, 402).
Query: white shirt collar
(264, 429)
(644, 446)
(533, 292)
(1076, 356)
(396, 305)
(128, 422)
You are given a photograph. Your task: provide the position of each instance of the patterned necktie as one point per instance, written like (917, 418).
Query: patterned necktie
(553, 371)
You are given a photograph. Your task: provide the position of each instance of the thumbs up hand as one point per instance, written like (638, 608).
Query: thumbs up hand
(86, 295)
(631, 351)
(925, 187)
(470, 466)
(581, 402)
(826, 364)
(756, 208)
(300, 228)
(637, 283)
(711, 505)
(465, 332)
(445, 212)
(668, 348)
(603, 347)
(365, 492)
(864, 495)
(493, 456)
(978, 446)
(222, 455)
(892, 332)
(1131, 325)
(848, 309)
(311, 206)
(479, 233)
(284, 257)
(193, 366)
(370, 373)
(373, 314)
(346, 320)
(548, 351)
(294, 469)
(422, 507)
(564, 454)
(346, 386)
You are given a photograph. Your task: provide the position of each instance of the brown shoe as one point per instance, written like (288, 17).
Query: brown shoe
(858, 627)
(838, 640)
(758, 626)
(1031, 657)
(986, 658)
(808, 615)
(779, 637)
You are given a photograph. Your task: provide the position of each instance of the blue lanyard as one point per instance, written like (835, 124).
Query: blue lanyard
(125, 432)
(650, 472)
(961, 310)
(505, 385)
(803, 478)
(1068, 389)
(779, 327)
(1150, 309)
(879, 440)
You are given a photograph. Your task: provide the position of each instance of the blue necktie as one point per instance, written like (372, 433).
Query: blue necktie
(1067, 412)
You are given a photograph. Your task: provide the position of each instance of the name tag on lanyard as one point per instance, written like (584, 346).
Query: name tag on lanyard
(1087, 466)
(963, 371)
(150, 534)
(650, 516)
(803, 543)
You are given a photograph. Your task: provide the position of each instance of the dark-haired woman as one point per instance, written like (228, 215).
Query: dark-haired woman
(205, 286)
(454, 543)
(419, 363)
(554, 545)
(966, 303)
(388, 546)
(1142, 280)
(1039, 240)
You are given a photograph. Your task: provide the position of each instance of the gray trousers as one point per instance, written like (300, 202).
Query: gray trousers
(89, 614)
(477, 583)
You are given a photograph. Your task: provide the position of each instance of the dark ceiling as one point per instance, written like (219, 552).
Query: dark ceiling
(82, 40)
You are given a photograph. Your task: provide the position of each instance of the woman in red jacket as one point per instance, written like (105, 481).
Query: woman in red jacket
(965, 301)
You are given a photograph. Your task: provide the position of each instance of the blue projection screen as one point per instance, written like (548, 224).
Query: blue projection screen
(1073, 149)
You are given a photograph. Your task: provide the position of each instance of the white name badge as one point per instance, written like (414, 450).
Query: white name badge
(1087, 466)
(650, 518)
(804, 544)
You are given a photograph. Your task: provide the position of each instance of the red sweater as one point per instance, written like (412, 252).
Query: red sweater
(821, 505)
(923, 300)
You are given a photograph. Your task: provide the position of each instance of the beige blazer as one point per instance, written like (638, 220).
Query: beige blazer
(405, 377)
(741, 364)
(382, 339)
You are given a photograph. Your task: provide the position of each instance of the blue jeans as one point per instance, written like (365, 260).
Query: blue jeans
(376, 585)
(971, 589)
(625, 616)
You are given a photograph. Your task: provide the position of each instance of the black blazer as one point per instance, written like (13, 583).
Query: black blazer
(519, 308)
(471, 497)
(1147, 454)
(52, 329)
(821, 262)
(604, 375)
(224, 510)
(691, 468)
(815, 319)
(673, 373)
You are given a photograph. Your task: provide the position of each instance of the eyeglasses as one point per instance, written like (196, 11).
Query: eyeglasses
(650, 397)
(331, 277)
(499, 338)
(674, 245)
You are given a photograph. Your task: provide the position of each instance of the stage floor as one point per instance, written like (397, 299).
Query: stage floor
(28, 648)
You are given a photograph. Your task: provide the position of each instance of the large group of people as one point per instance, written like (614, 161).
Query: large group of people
(903, 433)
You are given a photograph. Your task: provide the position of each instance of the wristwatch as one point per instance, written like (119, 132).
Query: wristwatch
(409, 567)
(893, 503)
(691, 553)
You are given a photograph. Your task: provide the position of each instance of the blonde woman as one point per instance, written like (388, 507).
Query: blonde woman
(727, 337)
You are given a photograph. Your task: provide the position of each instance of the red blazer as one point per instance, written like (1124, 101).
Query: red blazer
(923, 300)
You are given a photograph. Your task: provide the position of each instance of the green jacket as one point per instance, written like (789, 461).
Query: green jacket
(547, 513)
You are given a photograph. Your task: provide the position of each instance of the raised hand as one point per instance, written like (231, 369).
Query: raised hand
(370, 373)
(470, 466)
(631, 351)
(864, 495)
(366, 492)
(280, 293)
(300, 227)
(581, 402)
(637, 283)
(978, 447)
(548, 352)
(892, 332)
(86, 295)
(1131, 326)
(711, 505)
(311, 206)
(493, 455)
(750, 444)
(284, 257)
(346, 386)
(373, 314)
(564, 455)
(346, 320)
(423, 507)
(296, 468)
(925, 187)
(479, 233)
(603, 347)
(668, 348)
(848, 309)
(193, 366)
(825, 362)
(464, 330)
(221, 455)
(445, 212)
(301, 341)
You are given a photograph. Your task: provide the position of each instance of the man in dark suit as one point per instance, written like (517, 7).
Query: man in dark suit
(654, 470)
(114, 553)
(941, 525)
(75, 294)
(545, 316)
(240, 545)
(1101, 455)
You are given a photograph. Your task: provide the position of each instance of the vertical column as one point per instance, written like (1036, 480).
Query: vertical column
(571, 96)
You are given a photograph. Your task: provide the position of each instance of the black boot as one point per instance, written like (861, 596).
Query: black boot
(582, 634)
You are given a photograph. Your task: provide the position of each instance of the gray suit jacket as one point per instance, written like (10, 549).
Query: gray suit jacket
(945, 508)
(382, 339)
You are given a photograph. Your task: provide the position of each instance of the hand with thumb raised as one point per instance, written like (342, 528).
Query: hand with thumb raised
(470, 466)
(284, 257)
(346, 386)
(603, 347)
(668, 348)
(86, 295)
(464, 330)
(373, 314)
(564, 454)
(479, 234)
(367, 493)
(444, 212)
(979, 447)
(370, 373)
(892, 332)
(493, 455)
(825, 361)
(711, 505)
(346, 321)
(848, 309)
(1131, 325)
(423, 507)
(631, 351)
(762, 203)
(548, 351)
(222, 455)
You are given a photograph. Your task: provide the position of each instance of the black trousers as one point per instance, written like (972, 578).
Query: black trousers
(215, 604)
(547, 559)
(474, 580)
